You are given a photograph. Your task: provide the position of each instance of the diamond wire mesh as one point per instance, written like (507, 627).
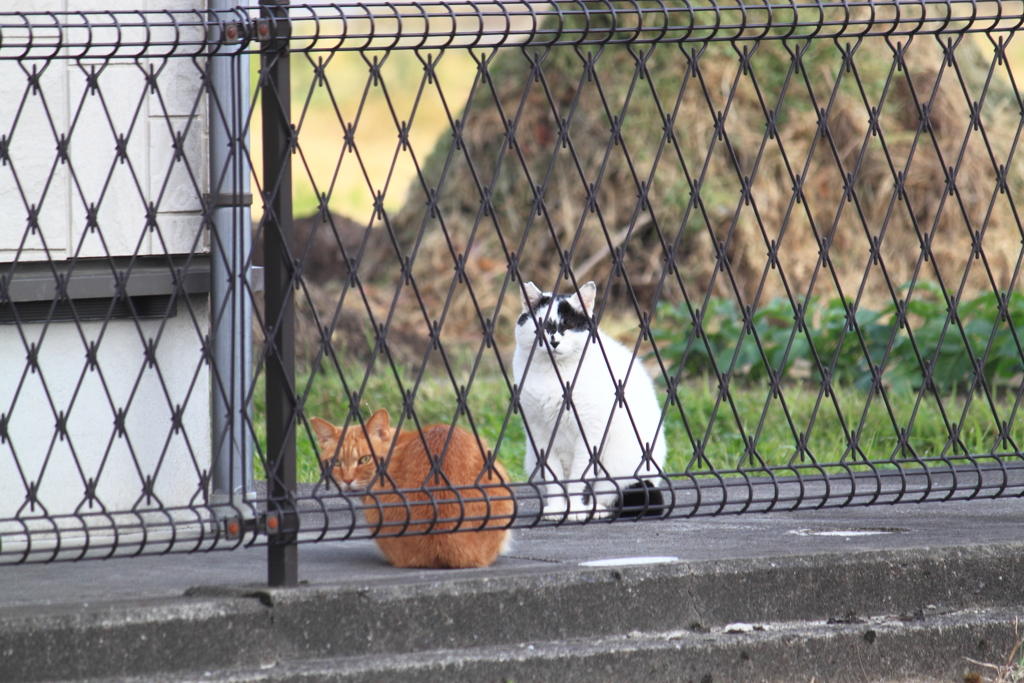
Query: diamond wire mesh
(105, 412)
(661, 166)
(812, 245)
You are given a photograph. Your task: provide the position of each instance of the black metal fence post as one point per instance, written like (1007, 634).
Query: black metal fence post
(282, 521)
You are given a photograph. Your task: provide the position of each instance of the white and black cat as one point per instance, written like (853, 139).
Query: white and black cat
(556, 330)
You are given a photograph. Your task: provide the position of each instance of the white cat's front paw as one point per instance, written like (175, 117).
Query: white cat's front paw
(553, 509)
(598, 512)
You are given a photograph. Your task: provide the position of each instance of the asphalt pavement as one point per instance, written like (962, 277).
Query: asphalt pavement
(905, 592)
(569, 548)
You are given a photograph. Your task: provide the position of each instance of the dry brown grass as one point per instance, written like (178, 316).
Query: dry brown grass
(593, 237)
(538, 158)
(320, 107)
(1010, 671)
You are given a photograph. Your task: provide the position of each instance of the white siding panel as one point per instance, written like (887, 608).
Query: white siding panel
(90, 401)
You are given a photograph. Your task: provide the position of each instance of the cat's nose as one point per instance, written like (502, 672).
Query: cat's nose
(554, 343)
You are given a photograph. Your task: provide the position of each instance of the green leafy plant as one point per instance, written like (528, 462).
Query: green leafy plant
(904, 344)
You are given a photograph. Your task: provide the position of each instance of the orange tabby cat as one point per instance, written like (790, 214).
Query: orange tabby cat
(409, 468)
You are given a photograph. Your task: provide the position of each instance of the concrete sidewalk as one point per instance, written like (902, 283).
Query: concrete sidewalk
(908, 591)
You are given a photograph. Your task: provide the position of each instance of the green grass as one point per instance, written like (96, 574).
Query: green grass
(435, 401)
(872, 434)
(776, 444)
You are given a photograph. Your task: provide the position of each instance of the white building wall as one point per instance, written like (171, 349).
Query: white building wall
(122, 189)
(92, 121)
(91, 398)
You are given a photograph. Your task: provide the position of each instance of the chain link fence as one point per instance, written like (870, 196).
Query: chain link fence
(800, 221)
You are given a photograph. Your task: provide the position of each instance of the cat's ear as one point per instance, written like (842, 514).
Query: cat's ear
(323, 429)
(587, 295)
(378, 425)
(531, 294)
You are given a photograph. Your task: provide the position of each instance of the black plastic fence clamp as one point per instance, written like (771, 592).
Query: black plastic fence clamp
(274, 25)
(236, 527)
(262, 31)
(281, 526)
(227, 199)
(233, 32)
(233, 528)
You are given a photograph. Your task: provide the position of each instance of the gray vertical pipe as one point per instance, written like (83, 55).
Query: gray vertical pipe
(230, 246)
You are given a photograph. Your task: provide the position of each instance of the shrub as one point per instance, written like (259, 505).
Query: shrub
(845, 345)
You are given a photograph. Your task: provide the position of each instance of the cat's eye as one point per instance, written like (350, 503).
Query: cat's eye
(365, 460)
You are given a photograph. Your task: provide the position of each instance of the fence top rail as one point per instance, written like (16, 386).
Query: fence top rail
(439, 24)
